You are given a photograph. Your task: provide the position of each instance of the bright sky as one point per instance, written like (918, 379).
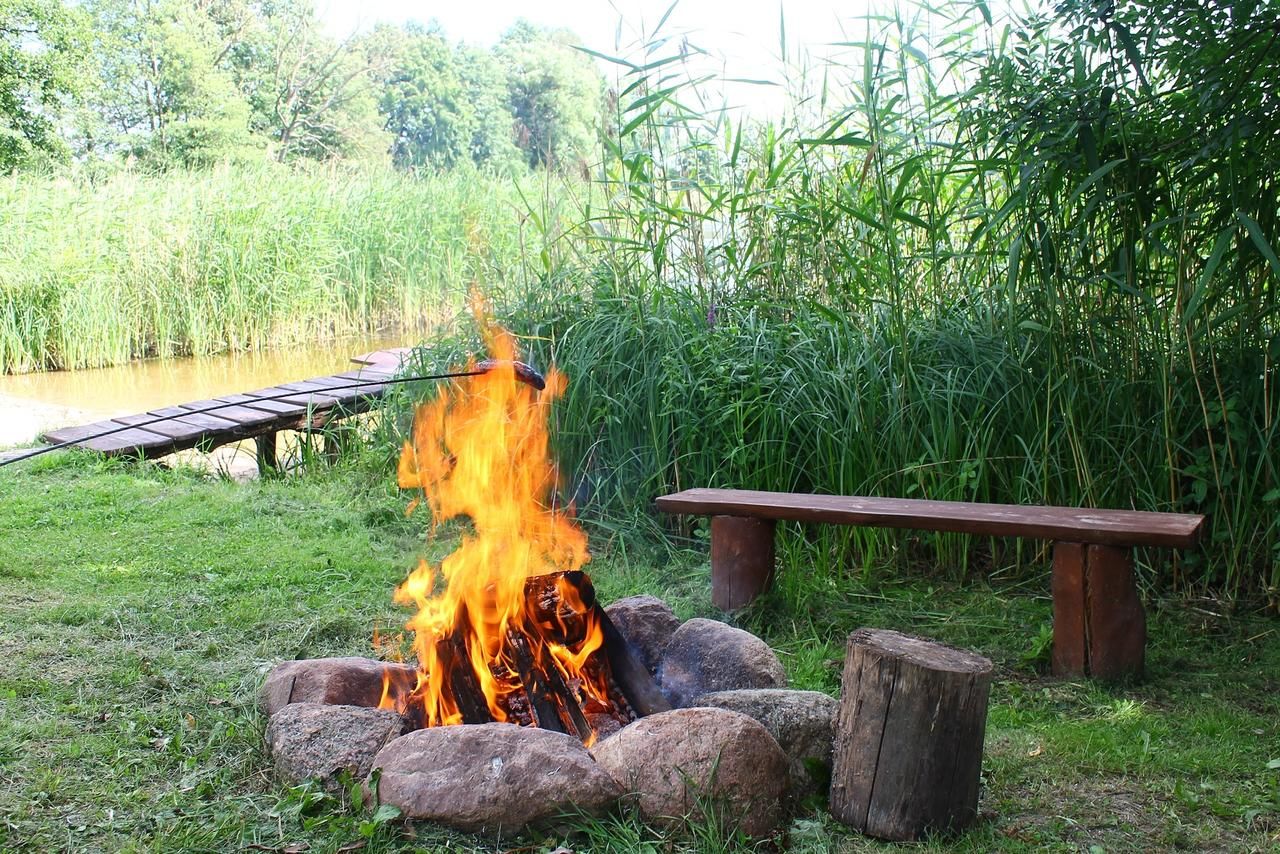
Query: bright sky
(743, 35)
(742, 25)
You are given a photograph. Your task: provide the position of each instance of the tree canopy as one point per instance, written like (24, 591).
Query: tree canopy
(43, 49)
(191, 82)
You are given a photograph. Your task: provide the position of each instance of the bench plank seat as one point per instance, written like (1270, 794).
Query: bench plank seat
(1102, 527)
(1099, 626)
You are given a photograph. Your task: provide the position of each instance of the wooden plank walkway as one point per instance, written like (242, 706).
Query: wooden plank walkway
(256, 414)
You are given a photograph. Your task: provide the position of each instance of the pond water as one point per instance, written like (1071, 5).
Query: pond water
(32, 403)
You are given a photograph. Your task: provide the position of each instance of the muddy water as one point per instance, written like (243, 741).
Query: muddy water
(32, 403)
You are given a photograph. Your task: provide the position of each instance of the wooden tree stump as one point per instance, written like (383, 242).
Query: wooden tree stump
(908, 743)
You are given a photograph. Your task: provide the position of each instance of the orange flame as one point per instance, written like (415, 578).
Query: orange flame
(480, 450)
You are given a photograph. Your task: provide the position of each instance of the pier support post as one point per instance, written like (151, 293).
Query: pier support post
(266, 445)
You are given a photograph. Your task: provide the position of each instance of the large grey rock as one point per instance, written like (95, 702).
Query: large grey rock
(319, 741)
(803, 724)
(347, 681)
(674, 761)
(491, 778)
(647, 623)
(707, 655)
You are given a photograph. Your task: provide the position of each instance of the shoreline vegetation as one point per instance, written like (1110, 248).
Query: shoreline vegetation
(102, 272)
(1022, 276)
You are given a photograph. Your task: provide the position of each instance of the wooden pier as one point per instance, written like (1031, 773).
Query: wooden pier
(257, 415)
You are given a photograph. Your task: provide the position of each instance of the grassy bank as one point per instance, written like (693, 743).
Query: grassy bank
(100, 271)
(142, 608)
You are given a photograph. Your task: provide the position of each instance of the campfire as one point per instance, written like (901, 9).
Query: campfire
(480, 715)
(507, 627)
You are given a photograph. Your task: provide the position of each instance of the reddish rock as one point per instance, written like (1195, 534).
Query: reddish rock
(318, 741)
(647, 623)
(803, 724)
(673, 761)
(707, 655)
(491, 778)
(336, 681)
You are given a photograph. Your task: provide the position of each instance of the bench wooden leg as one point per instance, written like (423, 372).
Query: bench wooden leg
(741, 559)
(1099, 626)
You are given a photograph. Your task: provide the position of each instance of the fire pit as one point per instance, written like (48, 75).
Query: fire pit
(507, 631)
(566, 668)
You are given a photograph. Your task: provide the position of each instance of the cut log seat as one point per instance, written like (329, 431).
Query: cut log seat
(908, 742)
(1099, 625)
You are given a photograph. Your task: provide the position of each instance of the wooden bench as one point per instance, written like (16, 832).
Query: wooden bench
(1099, 627)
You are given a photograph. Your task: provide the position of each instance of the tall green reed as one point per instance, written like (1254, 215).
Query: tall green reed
(100, 272)
(881, 301)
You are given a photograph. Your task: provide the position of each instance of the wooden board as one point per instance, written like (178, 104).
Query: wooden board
(234, 412)
(119, 439)
(261, 401)
(13, 456)
(392, 357)
(311, 394)
(742, 557)
(1104, 527)
(1117, 623)
(1070, 655)
(233, 417)
(178, 423)
(369, 378)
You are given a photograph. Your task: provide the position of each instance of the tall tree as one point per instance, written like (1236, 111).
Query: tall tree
(164, 92)
(425, 101)
(43, 52)
(315, 96)
(447, 104)
(493, 132)
(555, 93)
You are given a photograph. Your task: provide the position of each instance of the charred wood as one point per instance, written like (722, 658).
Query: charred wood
(542, 699)
(463, 683)
(558, 619)
(581, 727)
(632, 677)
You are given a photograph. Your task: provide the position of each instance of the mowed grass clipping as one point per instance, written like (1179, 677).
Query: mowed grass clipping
(142, 607)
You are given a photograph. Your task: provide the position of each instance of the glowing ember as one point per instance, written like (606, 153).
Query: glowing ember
(505, 629)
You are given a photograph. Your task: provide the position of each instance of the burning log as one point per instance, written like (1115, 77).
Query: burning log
(559, 604)
(571, 705)
(542, 699)
(463, 682)
(635, 685)
(633, 678)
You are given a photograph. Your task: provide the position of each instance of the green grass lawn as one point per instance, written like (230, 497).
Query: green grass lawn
(140, 609)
